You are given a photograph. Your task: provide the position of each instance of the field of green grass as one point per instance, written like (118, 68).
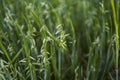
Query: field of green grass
(59, 39)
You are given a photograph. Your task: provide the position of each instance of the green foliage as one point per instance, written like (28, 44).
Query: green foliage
(59, 39)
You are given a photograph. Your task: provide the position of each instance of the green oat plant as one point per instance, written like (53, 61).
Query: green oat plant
(59, 39)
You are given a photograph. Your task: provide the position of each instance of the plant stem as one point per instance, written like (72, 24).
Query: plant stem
(117, 36)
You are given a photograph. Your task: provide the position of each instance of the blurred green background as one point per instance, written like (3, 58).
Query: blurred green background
(59, 39)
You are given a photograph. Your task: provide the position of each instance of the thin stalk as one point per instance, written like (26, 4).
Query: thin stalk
(53, 61)
(117, 36)
(73, 58)
(59, 65)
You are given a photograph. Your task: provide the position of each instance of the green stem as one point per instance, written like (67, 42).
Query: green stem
(59, 57)
(117, 36)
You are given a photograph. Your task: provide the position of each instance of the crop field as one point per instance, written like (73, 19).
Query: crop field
(59, 40)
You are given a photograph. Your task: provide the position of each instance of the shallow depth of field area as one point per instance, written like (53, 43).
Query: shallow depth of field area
(59, 39)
